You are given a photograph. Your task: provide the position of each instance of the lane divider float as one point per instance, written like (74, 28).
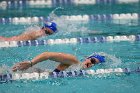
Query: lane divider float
(114, 18)
(14, 3)
(9, 77)
(70, 41)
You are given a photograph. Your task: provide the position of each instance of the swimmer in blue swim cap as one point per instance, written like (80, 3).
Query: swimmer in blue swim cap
(93, 59)
(50, 28)
(64, 60)
(33, 33)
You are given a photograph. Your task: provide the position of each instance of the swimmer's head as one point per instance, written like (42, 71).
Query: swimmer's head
(92, 60)
(50, 27)
(99, 57)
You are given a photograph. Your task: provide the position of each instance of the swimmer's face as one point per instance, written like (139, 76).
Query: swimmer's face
(90, 62)
(48, 31)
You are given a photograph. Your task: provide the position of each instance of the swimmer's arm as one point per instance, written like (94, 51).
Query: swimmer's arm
(62, 58)
(42, 57)
(26, 64)
(58, 57)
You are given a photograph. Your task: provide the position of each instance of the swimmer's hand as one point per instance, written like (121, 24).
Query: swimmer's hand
(21, 66)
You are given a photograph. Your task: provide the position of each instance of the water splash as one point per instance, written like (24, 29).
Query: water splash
(111, 60)
(75, 67)
(65, 27)
(52, 15)
(32, 28)
(4, 69)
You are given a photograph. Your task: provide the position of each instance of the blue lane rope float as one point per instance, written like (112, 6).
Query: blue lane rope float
(115, 18)
(70, 41)
(5, 78)
(14, 3)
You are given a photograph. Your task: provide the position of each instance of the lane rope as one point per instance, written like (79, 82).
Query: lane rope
(115, 18)
(4, 78)
(70, 41)
(15, 3)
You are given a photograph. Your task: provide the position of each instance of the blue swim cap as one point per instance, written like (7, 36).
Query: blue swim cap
(51, 25)
(99, 57)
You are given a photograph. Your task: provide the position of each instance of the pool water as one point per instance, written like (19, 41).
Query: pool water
(123, 54)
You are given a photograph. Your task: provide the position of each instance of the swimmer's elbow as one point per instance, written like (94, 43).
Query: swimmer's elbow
(48, 55)
(76, 61)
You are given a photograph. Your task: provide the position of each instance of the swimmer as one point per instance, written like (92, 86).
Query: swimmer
(49, 28)
(64, 60)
